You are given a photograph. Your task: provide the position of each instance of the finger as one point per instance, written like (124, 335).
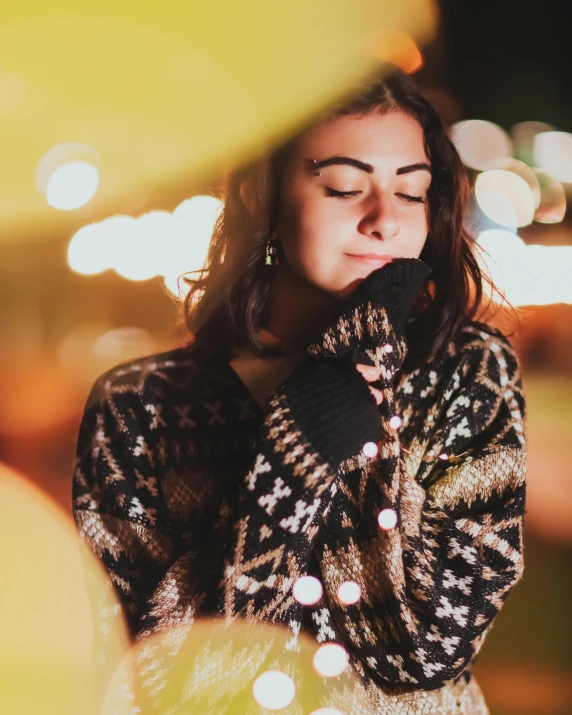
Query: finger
(377, 394)
(370, 372)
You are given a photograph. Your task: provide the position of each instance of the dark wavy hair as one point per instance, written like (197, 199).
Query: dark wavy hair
(227, 302)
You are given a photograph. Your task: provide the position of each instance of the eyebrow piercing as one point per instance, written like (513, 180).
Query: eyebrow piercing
(318, 173)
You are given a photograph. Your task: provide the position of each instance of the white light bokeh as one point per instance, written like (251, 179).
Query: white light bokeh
(88, 250)
(553, 154)
(274, 690)
(370, 449)
(505, 197)
(139, 253)
(327, 711)
(387, 519)
(395, 422)
(480, 143)
(330, 660)
(307, 590)
(527, 275)
(349, 593)
(552, 208)
(72, 185)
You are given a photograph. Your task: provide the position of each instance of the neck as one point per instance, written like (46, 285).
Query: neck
(297, 309)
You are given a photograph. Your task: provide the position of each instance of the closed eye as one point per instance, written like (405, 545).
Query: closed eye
(341, 194)
(349, 194)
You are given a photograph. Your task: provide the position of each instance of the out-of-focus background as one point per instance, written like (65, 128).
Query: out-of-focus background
(117, 124)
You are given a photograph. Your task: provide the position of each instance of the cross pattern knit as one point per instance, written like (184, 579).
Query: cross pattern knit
(199, 502)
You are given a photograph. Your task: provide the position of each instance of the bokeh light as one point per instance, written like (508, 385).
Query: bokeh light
(505, 197)
(330, 660)
(370, 449)
(553, 154)
(552, 207)
(387, 519)
(480, 143)
(307, 590)
(349, 592)
(274, 690)
(48, 624)
(72, 185)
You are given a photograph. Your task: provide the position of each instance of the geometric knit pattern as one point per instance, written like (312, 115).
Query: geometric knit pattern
(200, 503)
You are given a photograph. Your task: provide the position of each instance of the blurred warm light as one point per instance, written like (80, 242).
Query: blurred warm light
(274, 690)
(505, 197)
(370, 449)
(138, 255)
(349, 592)
(387, 519)
(72, 185)
(50, 583)
(526, 275)
(395, 422)
(177, 94)
(505, 263)
(331, 660)
(327, 711)
(88, 251)
(398, 48)
(480, 143)
(156, 243)
(123, 344)
(519, 168)
(194, 220)
(60, 154)
(553, 154)
(523, 134)
(307, 590)
(552, 207)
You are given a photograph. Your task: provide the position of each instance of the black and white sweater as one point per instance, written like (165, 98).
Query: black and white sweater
(201, 503)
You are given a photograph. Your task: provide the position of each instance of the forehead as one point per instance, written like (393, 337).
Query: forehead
(393, 139)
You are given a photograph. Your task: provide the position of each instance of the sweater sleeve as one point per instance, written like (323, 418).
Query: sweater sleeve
(320, 417)
(117, 502)
(432, 585)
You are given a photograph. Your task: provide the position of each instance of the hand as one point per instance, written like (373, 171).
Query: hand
(371, 374)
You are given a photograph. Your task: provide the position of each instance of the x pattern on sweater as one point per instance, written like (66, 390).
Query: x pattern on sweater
(200, 503)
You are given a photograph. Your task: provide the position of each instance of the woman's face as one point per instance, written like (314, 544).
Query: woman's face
(355, 185)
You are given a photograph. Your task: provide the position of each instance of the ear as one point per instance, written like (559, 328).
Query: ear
(248, 195)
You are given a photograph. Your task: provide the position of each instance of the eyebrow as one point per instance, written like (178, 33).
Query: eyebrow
(368, 168)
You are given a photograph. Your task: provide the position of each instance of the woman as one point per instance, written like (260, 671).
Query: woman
(338, 412)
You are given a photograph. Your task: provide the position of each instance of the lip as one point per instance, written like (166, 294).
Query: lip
(370, 258)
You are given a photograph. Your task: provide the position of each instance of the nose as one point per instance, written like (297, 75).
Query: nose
(380, 220)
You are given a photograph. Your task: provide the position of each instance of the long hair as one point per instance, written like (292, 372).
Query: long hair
(227, 303)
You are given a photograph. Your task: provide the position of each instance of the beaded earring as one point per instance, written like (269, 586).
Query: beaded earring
(271, 253)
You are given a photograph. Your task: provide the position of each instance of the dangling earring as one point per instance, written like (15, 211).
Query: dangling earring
(271, 253)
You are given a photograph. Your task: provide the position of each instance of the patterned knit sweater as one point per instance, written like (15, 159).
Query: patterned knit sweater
(200, 503)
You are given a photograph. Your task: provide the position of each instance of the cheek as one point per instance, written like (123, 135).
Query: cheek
(312, 235)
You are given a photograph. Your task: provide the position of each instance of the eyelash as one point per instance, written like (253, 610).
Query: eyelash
(348, 194)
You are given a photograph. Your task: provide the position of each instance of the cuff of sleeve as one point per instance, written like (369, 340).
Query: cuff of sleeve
(331, 402)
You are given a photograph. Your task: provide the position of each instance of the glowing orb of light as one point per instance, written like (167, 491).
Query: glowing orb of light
(553, 154)
(87, 251)
(331, 660)
(480, 143)
(274, 690)
(395, 422)
(505, 197)
(370, 449)
(72, 185)
(307, 590)
(349, 592)
(387, 519)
